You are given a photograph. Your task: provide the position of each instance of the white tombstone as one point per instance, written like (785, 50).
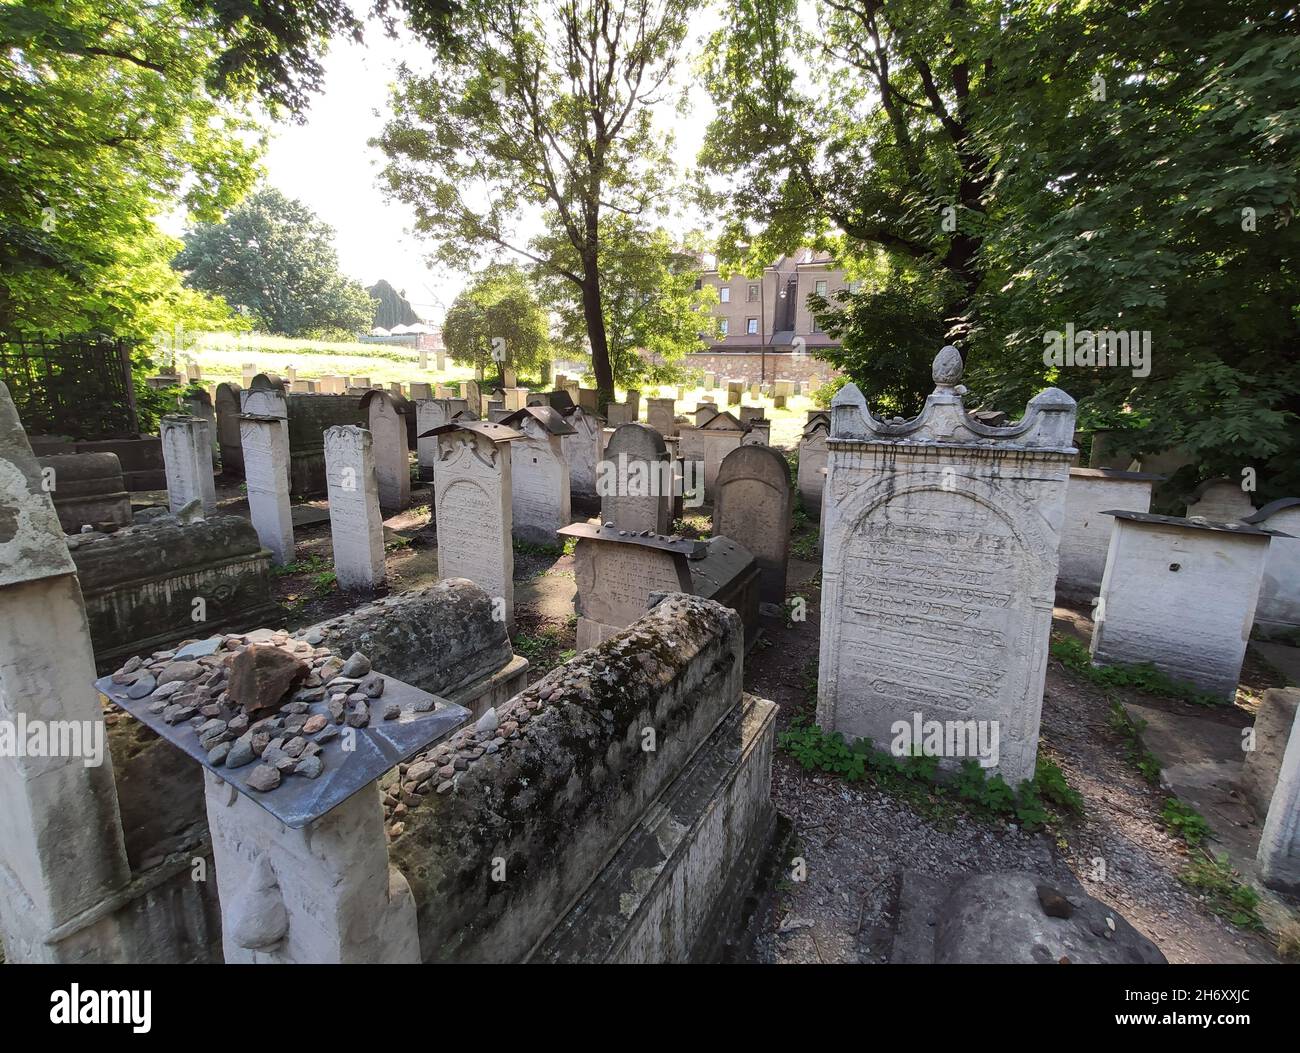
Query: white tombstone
(581, 450)
(539, 475)
(1279, 842)
(1219, 501)
(266, 453)
(62, 852)
(187, 458)
(1180, 594)
(430, 414)
(939, 569)
(356, 526)
(812, 464)
(266, 398)
(1085, 534)
(391, 448)
(661, 415)
(1278, 610)
(472, 484)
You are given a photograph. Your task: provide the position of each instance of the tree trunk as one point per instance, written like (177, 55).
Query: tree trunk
(595, 319)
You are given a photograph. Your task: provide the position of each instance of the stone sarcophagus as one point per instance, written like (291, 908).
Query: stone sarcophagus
(940, 565)
(163, 580)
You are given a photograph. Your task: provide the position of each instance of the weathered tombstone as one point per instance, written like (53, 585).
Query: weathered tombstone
(266, 455)
(751, 413)
(1219, 501)
(1279, 842)
(778, 401)
(587, 400)
(392, 454)
(474, 396)
(582, 449)
(198, 403)
(633, 402)
(248, 371)
(709, 443)
(87, 490)
(420, 391)
(56, 865)
(634, 480)
(710, 381)
(758, 433)
(705, 411)
(539, 474)
(228, 411)
(1278, 610)
(661, 415)
(939, 568)
(472, 484)
(515, 398)
(812, 464)
(356, 526)
(1086, 529)
(265, 397)
(431, 414)
(496, 411)
(1180, 594)
(333, 385)
(360, 382)
(782, 389)
(753, 504)
(735, 391)
(187, 456)
(617, 413)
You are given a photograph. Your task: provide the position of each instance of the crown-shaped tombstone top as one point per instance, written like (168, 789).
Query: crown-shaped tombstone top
(1048, 423)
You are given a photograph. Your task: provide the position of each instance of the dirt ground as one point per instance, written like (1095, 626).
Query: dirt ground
(855, 838)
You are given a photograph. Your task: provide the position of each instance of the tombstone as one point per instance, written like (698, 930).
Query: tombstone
(446, 391)
(1219, 501)
(266, 457)
(248, 371)
(805, 389)
(758, 433)
(710, 381)
(750, 413)
(709, 444)
(939, 567)
(1278, 609)
(1086, 529)
(634, 480)
(617, 413)
(582, 450)
(356, 526)
(661, 415)
(633, 402)
(735, 392)
(302, 387)
(421, 391)
(1180, 594)
(514, 398)
(812, 464)
(782, 389)
(587, 400)
(193, 372)
(431, 414)
(496, 411)
(265, 397)
(472, 484)
(392, 454)
(333, 385)
(539, 474)
(87, 490)
(57, 866)
(618, 573)
(199, 404)
(704, 412)
(187, 457)
(360, 382)
(395, 389)
(778, 401)
(1279, 842)
(474, 395)
(227, 406)
(753, 504)
(509, 377)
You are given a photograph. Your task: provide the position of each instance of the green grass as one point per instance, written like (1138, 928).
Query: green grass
(1146, 762)
(1223, 891)
(1145, 678)
(1184, 821)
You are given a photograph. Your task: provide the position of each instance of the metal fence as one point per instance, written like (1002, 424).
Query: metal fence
(79, 386)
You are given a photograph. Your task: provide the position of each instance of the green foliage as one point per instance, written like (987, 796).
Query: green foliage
(1144, 677)
(1146, 762)
(1224, 892)
(1185, 821)
(496, 321)
(918, 775)
(274, 258)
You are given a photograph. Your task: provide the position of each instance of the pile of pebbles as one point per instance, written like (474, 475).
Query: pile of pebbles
(188, 686)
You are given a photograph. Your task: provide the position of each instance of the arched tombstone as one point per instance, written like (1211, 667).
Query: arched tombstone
(752, 504)
(392, 453)
(634, 480)
(266, 397)
(228, 411)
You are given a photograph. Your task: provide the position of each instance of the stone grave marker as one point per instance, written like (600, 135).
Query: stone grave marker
(391, 452)
(265, 397)
(661, 415)
(1086, 529)
(582, 449)
(187, 457)
(634, 480)
(939, 569)
(356, 526)
(266, 455)
(1278, 609)
(1279, 842)
(752, 504)
(228, 411)
(1219, 501)
(539, 474)
(812, 464)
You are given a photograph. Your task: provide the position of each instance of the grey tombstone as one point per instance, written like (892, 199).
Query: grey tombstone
(356, 526)
(1278, 610)
(431, 414)
(391, 450)
(587, 400)
(472, 484)
(753, 503)
(939, 567)
(420, 391)
(705, 411)
(1086, 529)
(661, 415)
(539, 474)
(187, 458)
(265, 397)
(634, 480)
(228, 411)
(266, 453)
(750, 413)
(88, 490)
(582, 450)
(1219, 501)
(812, 464)
(735, 391)
(758, 433)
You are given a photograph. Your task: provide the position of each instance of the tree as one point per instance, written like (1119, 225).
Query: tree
(392, 308)
(538, 104)
(273, 257)
(104, 124)
(650, 300)
(497, 321)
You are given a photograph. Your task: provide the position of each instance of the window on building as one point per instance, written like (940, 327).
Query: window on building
(722, 326)
(751, 325)
(724, 295)
(753, 293)
(821, 288)
(855, 287)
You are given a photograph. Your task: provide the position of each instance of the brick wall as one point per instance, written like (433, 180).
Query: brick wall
(753, 366)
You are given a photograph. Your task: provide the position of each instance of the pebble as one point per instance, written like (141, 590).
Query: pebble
(314, 723)
(356, 666)
(263, 778)
(373, 685)
(144, 686)
(311, 766)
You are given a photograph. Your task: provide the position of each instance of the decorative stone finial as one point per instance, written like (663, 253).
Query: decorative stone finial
(947, 368)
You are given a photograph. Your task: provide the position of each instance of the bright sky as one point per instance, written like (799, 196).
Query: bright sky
(327, 164)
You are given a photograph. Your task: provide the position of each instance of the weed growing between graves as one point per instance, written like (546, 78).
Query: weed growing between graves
(1185, 821)
(1146, 761)
(1145, 677)
(530, 548)
(543, 649)
(1222, 890)
(309, 565)
(1045, 799)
